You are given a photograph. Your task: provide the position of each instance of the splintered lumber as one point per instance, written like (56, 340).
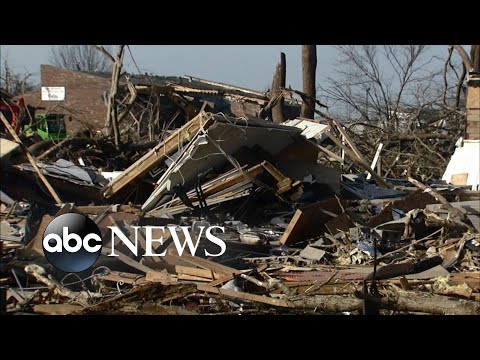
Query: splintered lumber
(235, 178)
(153, 293)
(348, 140)
(40, 275)
(206, 274)
(127, 278)
(157, 154)
(238, 175)
(136, 265)
(56, 309)
(305, 221)
(31, 159)
(228, 186)
(375, 159)
(97, 209)
(331, 154)
(359, 161)
(454, 211)
(244, 296)
(219, 269)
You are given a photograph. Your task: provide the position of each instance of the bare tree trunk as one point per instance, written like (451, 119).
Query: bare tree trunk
(279, 79)
(465, 59)
(460, 86)
(475, 56)
(309, 64)
(112, 116)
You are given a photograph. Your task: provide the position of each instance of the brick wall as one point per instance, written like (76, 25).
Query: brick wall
(83, 97)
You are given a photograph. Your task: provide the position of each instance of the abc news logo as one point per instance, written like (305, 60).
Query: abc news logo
(73, 243)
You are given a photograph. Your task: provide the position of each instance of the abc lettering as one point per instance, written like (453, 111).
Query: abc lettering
(64, 243)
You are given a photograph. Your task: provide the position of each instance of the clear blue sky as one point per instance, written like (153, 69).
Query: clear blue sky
(249, 66)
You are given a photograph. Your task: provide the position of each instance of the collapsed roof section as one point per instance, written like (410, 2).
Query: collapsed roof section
(206, 144)
(217, 97)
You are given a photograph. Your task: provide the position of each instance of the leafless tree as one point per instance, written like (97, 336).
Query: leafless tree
(80, 57)
(13, 82)
(377, 83)
(403, 97)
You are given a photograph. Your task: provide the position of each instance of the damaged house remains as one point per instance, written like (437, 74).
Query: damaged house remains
(375, 210)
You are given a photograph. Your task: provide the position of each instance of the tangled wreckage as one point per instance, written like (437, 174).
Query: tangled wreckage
(304, 232)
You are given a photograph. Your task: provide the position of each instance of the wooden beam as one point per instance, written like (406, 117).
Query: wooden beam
(453, 210)
(359, 161)
(31, 159)
(331, 154)
(219, 269)
(244, 296)
(304, 222)
(237, 177)
(202, 273)
(134, 264)
(157, 154)
(349, 140)
(375, 159)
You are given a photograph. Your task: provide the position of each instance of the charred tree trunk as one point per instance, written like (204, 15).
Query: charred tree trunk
(309, 65)
(279, 79)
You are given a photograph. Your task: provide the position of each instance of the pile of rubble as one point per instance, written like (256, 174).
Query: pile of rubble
(300, 237)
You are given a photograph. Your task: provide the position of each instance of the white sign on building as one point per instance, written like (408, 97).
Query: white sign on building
(53, 93)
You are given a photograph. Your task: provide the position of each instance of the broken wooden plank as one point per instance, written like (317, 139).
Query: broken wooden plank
(31, 159)
(330, 154)
(349, 141)
(359, 161)
(309, 221)
(203, 273)
(221, 280)
(41, 276)
(158, 154)
(273, 171)
(375, 159)
(127, 278)
(454, 211)
(56, 309)
(219, 269)
(192, 278)
(237, 177)
(136, 265)
(244, 296)
(96, 209)
(340, 223)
